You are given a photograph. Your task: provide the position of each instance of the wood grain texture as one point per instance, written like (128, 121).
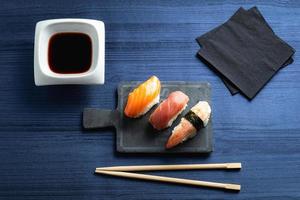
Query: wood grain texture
(45, 154)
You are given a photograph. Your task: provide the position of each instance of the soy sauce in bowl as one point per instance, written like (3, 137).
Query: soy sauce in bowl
(70, 53)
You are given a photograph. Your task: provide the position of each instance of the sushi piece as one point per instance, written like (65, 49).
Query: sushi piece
(142, 98)
(165, 114)
(192, 122)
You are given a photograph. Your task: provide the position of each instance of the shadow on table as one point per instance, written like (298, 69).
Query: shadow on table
(28, 94)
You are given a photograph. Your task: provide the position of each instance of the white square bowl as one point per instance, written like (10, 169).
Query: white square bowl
(95, 29)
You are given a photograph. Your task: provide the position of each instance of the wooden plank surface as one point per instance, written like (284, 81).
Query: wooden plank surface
(45, 154)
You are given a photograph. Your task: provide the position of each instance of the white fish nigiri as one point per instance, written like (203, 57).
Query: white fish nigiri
(193, 121)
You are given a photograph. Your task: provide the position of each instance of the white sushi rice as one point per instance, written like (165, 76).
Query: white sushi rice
(203, 110)
(149, 106)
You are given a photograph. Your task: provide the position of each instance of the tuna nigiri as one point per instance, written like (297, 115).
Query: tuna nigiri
(142, 98)
(193, 121)
(165, 114)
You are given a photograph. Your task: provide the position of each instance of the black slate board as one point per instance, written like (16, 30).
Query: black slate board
(137, 135)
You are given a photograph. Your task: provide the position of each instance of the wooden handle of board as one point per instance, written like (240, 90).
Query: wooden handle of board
(226, 186)
(172, 167)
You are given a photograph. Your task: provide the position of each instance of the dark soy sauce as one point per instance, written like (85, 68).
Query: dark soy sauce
(70, 53)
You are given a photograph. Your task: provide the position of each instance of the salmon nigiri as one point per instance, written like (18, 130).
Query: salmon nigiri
(165, 114)
(193, 121)
(142, 98)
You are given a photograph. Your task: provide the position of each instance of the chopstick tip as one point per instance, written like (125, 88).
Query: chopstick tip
(233, 187)
(98, 171)
(234, 165)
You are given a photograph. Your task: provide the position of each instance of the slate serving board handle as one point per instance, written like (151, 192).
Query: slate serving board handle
(99, 118)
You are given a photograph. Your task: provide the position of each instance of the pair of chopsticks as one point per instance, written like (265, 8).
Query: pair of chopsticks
(125, 171)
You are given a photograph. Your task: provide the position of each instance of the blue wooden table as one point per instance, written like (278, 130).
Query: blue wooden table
(45, 154)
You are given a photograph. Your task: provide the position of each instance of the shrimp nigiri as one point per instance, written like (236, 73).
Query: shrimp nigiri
(193, 121)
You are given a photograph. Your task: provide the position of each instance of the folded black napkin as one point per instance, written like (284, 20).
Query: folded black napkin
(245, 52)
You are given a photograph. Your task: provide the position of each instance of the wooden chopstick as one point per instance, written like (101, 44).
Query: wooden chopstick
(226, 186)
(172, 167)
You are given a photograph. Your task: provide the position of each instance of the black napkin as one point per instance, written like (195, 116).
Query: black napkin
(234, 90)
(245, 51)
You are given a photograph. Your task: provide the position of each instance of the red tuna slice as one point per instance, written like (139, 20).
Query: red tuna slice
(168, 110)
